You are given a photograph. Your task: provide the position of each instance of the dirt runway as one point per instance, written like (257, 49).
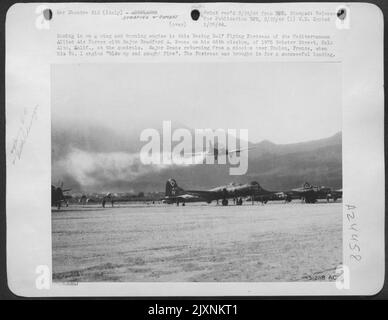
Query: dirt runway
(274, 242)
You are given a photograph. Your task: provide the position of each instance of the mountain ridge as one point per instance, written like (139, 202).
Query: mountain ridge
(92, 158)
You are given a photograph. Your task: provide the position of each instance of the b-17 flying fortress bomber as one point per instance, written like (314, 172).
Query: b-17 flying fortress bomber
(253, 191)
(236, 192)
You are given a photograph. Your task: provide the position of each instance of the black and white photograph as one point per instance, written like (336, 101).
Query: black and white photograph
(211, 150)
(139, 195)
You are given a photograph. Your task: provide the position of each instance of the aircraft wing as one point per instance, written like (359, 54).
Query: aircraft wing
(298, 190)
(239, 150)
(187, 196)
(206, 195)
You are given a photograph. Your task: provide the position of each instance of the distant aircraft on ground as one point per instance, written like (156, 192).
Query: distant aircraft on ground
(310, 194)
(175, 194)
(336, 194)
(58, 196)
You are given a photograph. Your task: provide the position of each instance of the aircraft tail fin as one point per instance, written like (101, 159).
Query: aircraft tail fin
(307, 185)
(172, 188)
(214, 150)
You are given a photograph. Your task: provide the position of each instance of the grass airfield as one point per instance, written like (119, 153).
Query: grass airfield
(197, 242)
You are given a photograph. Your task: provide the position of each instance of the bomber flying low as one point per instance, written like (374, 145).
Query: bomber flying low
(175, 194)
(216, 151)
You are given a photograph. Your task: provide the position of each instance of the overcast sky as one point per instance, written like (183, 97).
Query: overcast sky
(280, 102)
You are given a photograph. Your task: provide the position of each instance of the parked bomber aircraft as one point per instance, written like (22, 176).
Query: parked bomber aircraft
(307, 193)
(310, 194)
(175, 194)
(58, 196)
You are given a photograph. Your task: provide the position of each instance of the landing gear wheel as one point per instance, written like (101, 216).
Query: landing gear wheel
(224, 202)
